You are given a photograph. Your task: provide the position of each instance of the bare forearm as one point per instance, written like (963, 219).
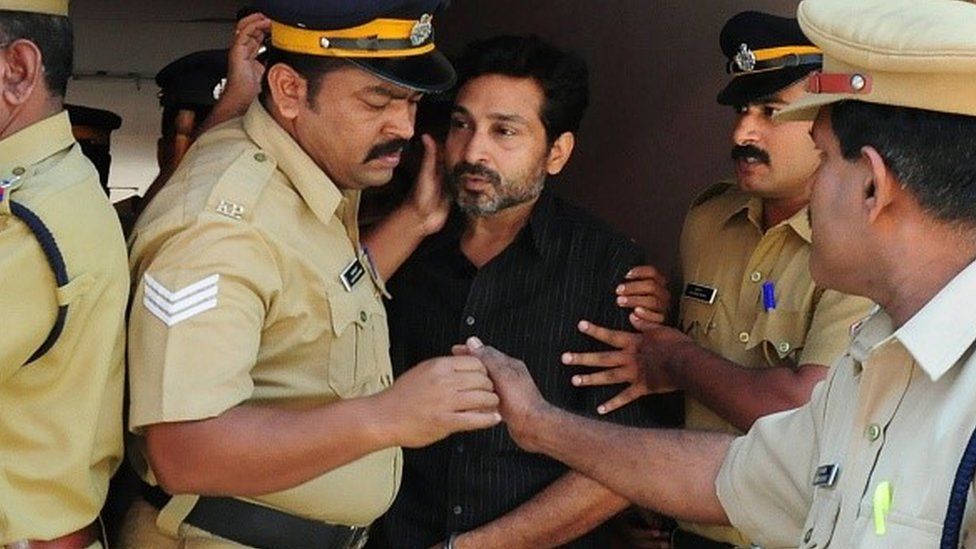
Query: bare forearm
(567, 509)
(393, 239)
(253, 450)
(740, 395)
(670, 471)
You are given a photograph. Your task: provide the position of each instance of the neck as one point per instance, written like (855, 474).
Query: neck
(915, 274)
(487, 236)
(777, 210)
(29, 113)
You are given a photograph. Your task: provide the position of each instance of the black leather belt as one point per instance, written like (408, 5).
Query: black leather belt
(262, 527)
(683, 539)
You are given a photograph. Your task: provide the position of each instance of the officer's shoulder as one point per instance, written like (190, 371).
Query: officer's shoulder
(715, 191)
(224, 173)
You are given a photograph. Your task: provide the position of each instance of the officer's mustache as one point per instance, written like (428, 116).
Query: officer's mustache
(478, 170)
(390, 147)
(745, 152)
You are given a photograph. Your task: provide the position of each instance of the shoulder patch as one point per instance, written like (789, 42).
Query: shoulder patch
(712, 191)
(173, 307)
(237, 191)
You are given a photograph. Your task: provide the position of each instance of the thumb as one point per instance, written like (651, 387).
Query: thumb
(428, 166)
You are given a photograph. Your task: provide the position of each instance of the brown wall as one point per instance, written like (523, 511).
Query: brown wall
(653, 136)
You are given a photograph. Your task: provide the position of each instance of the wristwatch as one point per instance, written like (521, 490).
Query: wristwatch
(449, 543)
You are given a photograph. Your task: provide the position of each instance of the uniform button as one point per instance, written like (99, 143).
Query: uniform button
(260, 157)
(362, 316)
(18, 171)
(808, 535)
(784, 347)
(460, 448)
(873, 432)
(756, 276)
(744, 337)
(469, 321)
(457, 509)
(711, 325)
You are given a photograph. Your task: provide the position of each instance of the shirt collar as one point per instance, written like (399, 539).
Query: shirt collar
(316, 189)
(944, 329)
(33, 144)
(752, 207)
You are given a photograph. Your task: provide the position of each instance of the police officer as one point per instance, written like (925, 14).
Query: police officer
(260, 381)
(764, 330)
(62, 304)
(93, 128)
(872, 459)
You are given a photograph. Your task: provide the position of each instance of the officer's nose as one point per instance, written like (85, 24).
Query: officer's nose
(747, 126)
(401, 121)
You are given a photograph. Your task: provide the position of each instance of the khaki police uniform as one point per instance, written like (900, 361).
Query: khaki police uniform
(869, 462)
(897, 410)
(723, 248)
(61, 414)
(243, 294)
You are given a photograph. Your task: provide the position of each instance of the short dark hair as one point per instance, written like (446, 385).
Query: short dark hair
(311, 67)
(53, 36)
(562, 75)
(931, 153)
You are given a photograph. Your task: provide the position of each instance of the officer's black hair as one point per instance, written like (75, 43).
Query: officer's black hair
(54, 37)
(562, 75)
(931, 153)
(311, 67)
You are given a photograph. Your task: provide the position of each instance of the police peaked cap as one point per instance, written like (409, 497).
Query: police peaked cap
(194, 80)
(393, 39)
(764, 54)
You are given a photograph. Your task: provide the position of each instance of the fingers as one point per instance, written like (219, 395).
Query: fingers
(474, 400)
(475, 420)
(465, 364)
(611, 376)
(614, 338)
(622, 399)
(428, 166)
(460, 350)
(599, 359)
(251, 32)
(645, 321)
(646, 272)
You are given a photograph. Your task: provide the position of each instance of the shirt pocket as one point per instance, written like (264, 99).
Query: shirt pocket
(822, 521)
(901, 530)
(360, 342)
(782, 335)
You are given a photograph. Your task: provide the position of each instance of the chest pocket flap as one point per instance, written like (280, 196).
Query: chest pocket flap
(357, 319)
(783, 333)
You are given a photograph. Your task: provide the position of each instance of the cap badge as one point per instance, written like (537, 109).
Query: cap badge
(422, 30)
(745, 59)
(219, 89)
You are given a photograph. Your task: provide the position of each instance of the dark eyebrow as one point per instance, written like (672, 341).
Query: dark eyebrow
(502, 117)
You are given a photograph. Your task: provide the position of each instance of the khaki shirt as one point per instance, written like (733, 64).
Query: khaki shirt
(724, 248)
(239, 298)
(897, 408)
(61, 415)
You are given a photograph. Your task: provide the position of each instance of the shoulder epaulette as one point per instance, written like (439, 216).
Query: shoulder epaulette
(237, 191)
(712, 191)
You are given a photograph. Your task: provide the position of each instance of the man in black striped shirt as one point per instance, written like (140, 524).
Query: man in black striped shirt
(518, 267)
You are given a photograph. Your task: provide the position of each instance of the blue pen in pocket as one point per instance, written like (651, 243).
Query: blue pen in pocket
(768, 296)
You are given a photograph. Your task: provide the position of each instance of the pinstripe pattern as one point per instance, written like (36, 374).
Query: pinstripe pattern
(563, 267)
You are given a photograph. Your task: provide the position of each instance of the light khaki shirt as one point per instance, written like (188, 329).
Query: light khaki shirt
(61, 415)
(723, 247)
(898, 408)
(239, 298)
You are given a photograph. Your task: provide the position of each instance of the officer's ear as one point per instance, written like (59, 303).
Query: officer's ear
(21, 71)
(879, 186)
(559, 153)
(289, 91)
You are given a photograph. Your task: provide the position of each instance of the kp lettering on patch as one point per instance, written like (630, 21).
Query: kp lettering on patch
(175, 306)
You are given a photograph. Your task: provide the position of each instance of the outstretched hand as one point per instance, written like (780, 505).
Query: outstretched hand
(636, 360)
(428, 199)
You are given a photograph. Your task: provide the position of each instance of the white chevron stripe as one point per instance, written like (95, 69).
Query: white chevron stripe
(175, 307)
(180, 294)
(170, 320)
